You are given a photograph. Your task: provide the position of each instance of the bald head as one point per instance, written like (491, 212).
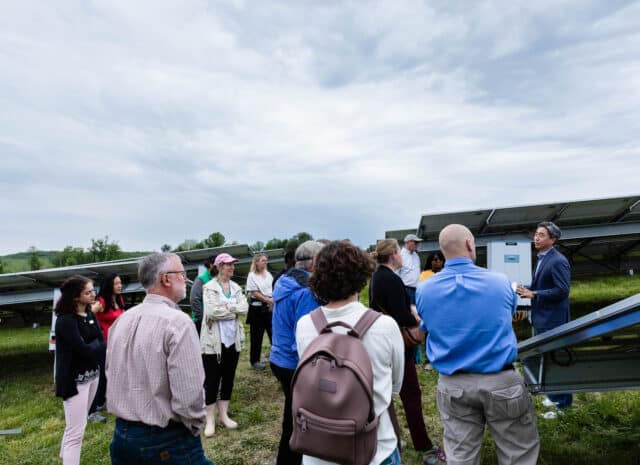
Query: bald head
(457, 241)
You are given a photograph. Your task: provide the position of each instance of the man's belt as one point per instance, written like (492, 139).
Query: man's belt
(507, 367)
(172, 423)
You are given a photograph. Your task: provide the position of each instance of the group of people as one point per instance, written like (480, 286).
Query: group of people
(157, 360)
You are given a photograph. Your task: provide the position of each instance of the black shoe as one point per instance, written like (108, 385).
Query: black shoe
(259, 366)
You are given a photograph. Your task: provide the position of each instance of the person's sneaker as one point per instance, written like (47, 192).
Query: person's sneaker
(101, 408)
(259, 366)
(428, 367)
(552, 415)
(435, 456)
(548, 403)
(95, 417)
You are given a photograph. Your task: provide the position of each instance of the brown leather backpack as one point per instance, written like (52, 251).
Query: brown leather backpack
(332, 395)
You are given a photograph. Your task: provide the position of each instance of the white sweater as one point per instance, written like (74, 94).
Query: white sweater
(384, 344)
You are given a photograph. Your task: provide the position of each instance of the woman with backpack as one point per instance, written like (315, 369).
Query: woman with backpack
(387, 295)
(341, 272)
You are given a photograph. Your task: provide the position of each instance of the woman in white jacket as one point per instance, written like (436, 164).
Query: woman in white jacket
(221, 340)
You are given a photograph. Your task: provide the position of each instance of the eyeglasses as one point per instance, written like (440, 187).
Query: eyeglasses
(183, 273)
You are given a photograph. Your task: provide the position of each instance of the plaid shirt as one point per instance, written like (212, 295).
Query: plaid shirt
(154, 366)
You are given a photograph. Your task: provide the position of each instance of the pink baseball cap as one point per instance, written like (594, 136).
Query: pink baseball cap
(224, 258)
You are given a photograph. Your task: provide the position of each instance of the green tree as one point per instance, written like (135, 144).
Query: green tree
(102, 250)
(257, 247)
(215, 239)
(34, 261)
(275, 244)
(1, 267)
(188, 244)
(165, 248)
(70, 256)
(289, 244)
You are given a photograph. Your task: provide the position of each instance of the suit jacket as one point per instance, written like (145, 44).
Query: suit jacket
(550, 306)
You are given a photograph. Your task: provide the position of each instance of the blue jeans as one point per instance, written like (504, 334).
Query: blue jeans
(139, 444)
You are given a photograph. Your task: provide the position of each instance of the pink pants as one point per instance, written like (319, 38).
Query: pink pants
(76, 409)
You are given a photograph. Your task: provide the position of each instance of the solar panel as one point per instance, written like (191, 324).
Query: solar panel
(525, 218)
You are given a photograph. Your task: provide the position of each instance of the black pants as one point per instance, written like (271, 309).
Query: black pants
(219, 375)
(259, 322)
(411, 397)
(100, 398)
(285, 455)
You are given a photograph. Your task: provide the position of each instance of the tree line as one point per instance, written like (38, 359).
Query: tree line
(104, 249)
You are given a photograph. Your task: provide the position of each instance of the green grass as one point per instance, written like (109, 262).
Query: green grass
(603, 290)
(601, 429)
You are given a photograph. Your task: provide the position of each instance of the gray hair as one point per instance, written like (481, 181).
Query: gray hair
(306, 252)
(151, 266)
(553, 230)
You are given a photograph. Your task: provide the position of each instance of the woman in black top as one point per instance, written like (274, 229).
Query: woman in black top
(79, 346)
(387, 295)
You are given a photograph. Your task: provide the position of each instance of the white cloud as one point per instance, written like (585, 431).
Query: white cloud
(154, 122)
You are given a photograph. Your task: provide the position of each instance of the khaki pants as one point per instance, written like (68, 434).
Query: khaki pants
(501, 400)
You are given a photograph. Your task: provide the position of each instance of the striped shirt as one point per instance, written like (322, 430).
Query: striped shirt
(154, 366)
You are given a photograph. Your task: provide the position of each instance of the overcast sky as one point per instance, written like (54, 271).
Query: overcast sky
(153, 122)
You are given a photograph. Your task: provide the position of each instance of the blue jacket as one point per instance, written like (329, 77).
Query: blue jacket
(292, 300)
(550, 306)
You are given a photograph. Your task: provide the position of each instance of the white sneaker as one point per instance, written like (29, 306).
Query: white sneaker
(428, 367)
(549, 403)
(552, 415)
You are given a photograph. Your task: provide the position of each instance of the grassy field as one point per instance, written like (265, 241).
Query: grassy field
(601, 429)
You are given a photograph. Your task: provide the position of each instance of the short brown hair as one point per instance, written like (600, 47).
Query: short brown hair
(341, 270)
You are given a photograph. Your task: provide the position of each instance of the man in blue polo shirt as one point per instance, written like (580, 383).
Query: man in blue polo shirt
(467, 311)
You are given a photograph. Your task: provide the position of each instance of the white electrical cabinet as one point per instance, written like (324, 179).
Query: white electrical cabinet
(512, 259)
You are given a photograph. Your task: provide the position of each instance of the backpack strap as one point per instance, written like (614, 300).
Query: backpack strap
(319, 320)
(364, 323)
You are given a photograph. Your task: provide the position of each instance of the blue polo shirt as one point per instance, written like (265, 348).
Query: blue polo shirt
(467, 311)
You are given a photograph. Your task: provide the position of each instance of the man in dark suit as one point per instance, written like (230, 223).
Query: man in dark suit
(549, 290)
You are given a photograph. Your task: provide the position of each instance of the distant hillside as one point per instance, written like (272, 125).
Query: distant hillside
(18, 262)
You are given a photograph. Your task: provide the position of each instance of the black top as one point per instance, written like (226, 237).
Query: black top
(79, 346)
(387, 295)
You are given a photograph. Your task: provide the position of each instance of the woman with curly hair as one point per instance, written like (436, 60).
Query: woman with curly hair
(221, 340)
(341, 272)
(79, 348)
(387, 295)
